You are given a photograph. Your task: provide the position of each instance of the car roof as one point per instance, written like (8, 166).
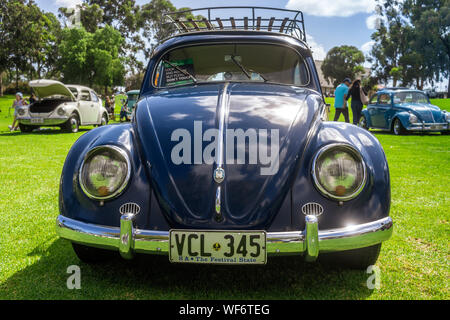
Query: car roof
(79, 87)
(133, 92)
(395, 90)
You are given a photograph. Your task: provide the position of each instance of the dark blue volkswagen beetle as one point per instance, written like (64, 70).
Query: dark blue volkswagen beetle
(229, 158)
(401, 110)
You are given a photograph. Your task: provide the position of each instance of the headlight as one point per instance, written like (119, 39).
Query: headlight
(105, 172)
(339, 172)
(21, 111)
(413, 118)
(447, 116)
(61, 111)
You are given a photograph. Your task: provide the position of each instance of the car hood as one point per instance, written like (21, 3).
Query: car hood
(177, 130)
(48, 88)
(426, 112)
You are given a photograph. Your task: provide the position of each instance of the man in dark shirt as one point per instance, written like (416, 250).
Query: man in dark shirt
(357, 105)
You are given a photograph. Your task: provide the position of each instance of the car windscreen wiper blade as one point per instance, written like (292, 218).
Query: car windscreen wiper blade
(182, 71)
(245, 70)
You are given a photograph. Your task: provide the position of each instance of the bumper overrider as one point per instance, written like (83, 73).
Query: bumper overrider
(129, 240)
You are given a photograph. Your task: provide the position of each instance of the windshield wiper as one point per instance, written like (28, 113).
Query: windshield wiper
(182, 71)
(245, 70)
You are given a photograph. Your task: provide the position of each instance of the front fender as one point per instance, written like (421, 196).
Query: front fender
(75, 204)
(373, 203)
(366, 114)
(403, 116)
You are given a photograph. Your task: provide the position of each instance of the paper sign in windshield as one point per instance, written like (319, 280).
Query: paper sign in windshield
(174, 76)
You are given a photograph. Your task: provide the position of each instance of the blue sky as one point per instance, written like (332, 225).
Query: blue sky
(328, 23)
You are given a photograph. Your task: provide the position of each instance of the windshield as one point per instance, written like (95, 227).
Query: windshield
(231, 62)
(410, 97)
(133, 97)
(74, 92)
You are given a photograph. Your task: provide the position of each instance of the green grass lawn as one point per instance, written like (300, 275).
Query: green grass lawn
(34, 261)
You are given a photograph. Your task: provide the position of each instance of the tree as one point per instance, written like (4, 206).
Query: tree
(74, 49)
(342, 62)
(92, 58)
(104, 58)
(391, 41)
(430, 20)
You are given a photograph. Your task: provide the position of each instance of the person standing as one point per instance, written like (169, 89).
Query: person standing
(340, 100)
(32, 98)
(19, 102)
(357, 104)
(109, 106)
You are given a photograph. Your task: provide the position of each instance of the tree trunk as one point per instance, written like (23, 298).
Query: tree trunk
(1, 84)
(448, 87)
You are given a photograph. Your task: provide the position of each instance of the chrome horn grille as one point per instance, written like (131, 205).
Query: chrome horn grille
(130, 207)
(312, 209)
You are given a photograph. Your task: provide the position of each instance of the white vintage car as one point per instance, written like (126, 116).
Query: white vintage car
(65, 106)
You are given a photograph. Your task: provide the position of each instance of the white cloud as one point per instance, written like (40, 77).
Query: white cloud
(371, 21)
(366, 47)
(332, 8)
(67, 3)
(318, 50)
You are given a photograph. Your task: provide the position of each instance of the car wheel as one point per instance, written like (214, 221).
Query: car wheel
(90, 254)
(73, 124)
(363, 123)
(104, 120)
(25, 128)
(397, 127)
(352, 259)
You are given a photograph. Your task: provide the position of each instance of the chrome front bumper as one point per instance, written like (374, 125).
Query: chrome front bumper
(428, 127)
(128, 240)
(44, 122)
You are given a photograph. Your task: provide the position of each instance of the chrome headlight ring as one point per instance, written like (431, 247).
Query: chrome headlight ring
(61, 111)
(89, 155)
(351, 151)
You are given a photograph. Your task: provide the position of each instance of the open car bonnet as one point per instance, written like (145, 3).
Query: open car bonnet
(48, 88)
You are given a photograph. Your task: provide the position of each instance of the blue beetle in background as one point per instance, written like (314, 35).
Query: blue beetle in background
(402, 110)
(229, 158)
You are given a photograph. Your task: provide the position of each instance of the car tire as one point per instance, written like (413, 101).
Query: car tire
(104, 120)
(363, 123)
(91, 254)
(26, 128)
(73, 124)
(397, 127)
(358, 259)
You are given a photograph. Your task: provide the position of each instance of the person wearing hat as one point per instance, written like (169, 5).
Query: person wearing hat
(19, 102)
(340, 100)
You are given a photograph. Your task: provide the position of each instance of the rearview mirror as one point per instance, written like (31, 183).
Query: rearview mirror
(228, 58)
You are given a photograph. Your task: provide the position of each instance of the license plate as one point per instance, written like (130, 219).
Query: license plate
(37, 120)
(217, 247)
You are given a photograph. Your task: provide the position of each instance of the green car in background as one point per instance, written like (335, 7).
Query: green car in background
(132, 98)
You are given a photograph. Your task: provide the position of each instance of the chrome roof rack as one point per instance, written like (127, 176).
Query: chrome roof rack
(283, 21)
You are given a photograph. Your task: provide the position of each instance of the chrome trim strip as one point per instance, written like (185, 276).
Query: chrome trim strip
(223, 109)
(278, 243)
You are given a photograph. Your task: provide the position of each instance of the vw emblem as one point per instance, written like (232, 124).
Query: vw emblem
(219, 175)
